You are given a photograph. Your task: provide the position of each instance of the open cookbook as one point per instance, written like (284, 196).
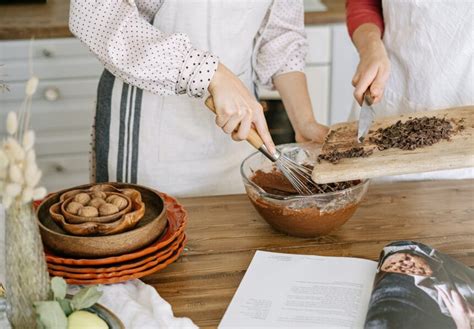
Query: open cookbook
(411, 286)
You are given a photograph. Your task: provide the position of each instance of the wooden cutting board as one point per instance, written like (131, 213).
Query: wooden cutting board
(458, 152)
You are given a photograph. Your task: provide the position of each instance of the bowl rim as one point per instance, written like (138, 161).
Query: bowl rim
(363, 182)
(45, 228)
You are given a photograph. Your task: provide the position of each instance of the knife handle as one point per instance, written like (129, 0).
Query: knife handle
(368, 97)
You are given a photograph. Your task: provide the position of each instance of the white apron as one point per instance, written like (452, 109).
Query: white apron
(178, 149)
(430, 45)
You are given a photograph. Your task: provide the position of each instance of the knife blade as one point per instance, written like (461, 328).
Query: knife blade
(366, 117)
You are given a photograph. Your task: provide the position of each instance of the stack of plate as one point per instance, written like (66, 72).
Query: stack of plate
(103, 264)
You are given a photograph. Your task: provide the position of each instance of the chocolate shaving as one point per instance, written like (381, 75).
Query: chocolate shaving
(335, 156)
(412, 134)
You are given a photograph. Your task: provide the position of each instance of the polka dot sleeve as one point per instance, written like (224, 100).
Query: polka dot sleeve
(281, 44)
(120, 35)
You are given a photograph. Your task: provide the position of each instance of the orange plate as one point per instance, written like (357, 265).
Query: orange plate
(161, 253)
(136, 275)
(177, 218)
(93, 276)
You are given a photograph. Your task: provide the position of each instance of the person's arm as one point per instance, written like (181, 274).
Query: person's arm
(119, 33)
(293, 90)
(279, 62)
(365, 25)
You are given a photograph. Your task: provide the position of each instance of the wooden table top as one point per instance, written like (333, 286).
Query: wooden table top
(224, 233)
(50, 20)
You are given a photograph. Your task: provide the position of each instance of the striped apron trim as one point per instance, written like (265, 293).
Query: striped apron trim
(129, 130)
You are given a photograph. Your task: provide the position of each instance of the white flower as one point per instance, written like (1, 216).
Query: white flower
(39, 193)
(31, 85)
(12, 190)
(27, 195)
(32, 176)
(12, 123)
(3, 160)
(29, 140)
(30, 157)
(7, 201)
(3, 174)
(15, 174)
(14, 149)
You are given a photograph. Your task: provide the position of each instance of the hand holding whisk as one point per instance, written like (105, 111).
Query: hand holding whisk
(298, 175)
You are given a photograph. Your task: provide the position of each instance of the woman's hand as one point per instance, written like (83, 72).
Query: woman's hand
(311, 132)
(461, 311)
(374, 66)
(237, 110)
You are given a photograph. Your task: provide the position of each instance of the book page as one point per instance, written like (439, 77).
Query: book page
(417, 286)
(294, 291)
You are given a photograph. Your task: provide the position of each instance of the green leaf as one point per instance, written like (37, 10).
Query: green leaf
(51, 315)
(39, 324)
(59, 287)
(85, 298)
(65, 305)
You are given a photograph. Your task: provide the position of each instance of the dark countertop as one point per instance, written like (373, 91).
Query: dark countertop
(50, 20)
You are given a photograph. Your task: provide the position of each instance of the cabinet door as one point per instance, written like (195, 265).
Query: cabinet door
(318, 86)
(344, 64)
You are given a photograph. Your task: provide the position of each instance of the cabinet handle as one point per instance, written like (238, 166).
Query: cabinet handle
(51, 94)
(58, 168)
(47, 53)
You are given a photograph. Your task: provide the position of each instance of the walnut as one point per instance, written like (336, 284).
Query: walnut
(96, 202)
(120, 202)
(98, 194)
(82, 198)
(74, 207)
(88, 212)
(111, 197)
(108, 209)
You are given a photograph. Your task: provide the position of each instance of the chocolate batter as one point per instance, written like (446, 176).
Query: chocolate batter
(304, 218)
(274, 182)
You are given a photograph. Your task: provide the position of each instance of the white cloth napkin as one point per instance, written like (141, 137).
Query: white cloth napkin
(136, 304)
(139, 306)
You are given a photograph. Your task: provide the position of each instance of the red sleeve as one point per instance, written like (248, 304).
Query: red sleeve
(359, 12)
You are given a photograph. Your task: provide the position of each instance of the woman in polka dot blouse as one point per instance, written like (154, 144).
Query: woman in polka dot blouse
(161, 58)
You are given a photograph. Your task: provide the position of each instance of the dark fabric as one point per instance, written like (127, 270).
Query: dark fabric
(121, 146)
(397, 303)
(136, 134)
(102, 126)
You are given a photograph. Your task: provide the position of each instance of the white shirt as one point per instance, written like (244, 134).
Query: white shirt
(119, 32)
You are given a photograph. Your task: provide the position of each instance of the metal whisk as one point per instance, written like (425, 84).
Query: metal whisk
(298, 175)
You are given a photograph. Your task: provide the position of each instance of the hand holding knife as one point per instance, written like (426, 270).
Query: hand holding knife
(366, 117)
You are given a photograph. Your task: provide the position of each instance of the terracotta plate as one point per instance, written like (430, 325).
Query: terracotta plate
(140, 268)
(136, 275)
(177, 218)
(161, 254)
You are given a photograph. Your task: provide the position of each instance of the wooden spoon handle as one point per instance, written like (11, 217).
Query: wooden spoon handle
(253, 137)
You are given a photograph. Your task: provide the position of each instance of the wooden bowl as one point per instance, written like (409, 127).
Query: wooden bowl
(146, 231)
(123, 223)
(76, 219)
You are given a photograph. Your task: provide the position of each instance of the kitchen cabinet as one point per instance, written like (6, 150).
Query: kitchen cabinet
(62, 109)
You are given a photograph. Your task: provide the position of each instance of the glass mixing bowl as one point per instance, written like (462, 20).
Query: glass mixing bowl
(305, 216)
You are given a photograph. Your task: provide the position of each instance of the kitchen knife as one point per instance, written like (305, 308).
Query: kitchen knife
(366, 117)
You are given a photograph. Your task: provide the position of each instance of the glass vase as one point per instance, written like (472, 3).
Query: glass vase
(27, 278)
